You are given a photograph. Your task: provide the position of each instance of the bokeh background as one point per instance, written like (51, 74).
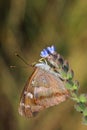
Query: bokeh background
(26, 27)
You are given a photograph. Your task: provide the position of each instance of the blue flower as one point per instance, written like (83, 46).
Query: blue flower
(44, 53)
(51, 49)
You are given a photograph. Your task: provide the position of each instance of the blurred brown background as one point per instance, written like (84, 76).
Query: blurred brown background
(26, 27)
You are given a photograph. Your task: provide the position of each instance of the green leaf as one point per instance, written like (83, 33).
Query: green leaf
(70, 74)
(63, 73)
(71, 86)
(74, 97)
(66, 66)
(85, 112)
(83, 98)
(68, 84)
(76, 85)
(85, 120)
(78, 108)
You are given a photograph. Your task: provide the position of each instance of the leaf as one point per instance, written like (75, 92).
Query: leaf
(74, 97)
(70, 74)
(76, 85)
(78, 108)
(85, 112)
(68, 84)
(85, 120)
(66, 66)
(83, 98)
(71, 85)
(63, 73)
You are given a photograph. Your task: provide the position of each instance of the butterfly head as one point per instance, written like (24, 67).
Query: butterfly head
(52, 57)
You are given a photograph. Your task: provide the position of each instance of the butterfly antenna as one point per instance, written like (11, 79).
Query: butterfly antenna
(22, 59)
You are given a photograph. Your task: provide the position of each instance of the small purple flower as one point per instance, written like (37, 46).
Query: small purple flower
(44, 53)
(51, 49)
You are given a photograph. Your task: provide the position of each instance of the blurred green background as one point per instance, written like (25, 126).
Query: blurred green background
(26, 27)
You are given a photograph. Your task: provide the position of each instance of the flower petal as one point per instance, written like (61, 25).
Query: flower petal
(44, 53)
(51, 49)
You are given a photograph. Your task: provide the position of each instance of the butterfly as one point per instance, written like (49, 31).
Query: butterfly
(45, 87)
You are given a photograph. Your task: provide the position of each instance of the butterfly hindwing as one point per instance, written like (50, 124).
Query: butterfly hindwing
(42, 90)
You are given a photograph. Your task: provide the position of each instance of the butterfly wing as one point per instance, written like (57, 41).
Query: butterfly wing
(42, 90)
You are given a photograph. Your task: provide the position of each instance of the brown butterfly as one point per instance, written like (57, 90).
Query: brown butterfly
(43, 89)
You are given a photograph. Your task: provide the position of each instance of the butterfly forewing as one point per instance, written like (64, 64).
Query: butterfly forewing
(43, 89)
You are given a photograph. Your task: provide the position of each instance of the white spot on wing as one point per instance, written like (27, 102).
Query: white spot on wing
(22, 104)
(27, 106)
(30, 95)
